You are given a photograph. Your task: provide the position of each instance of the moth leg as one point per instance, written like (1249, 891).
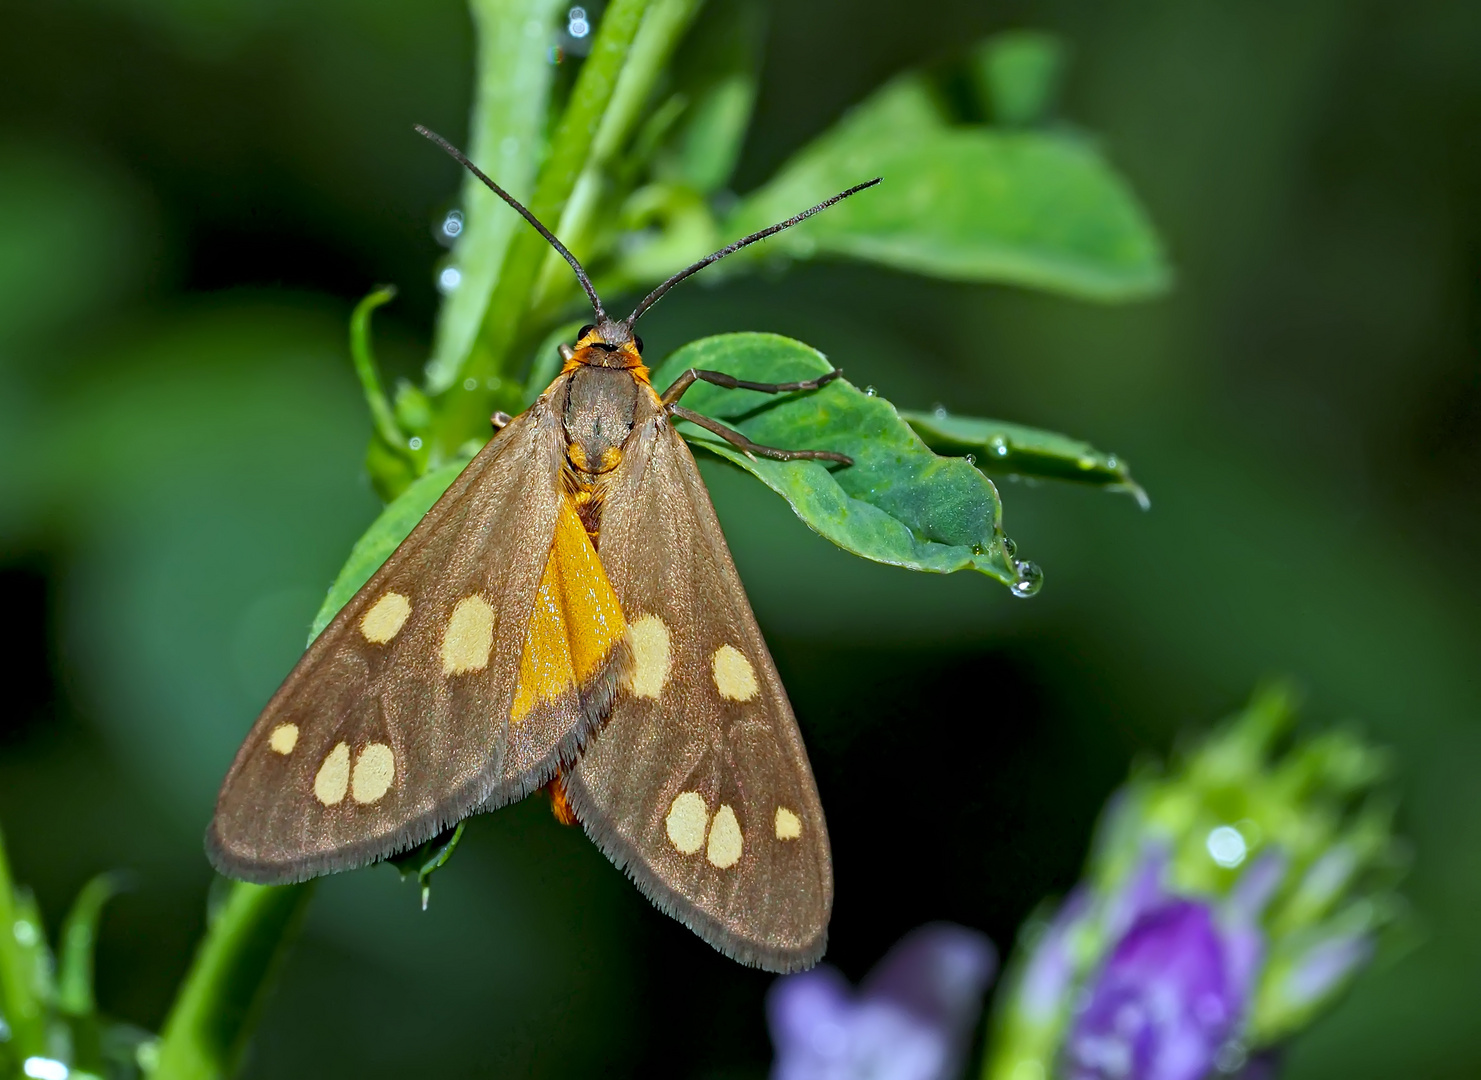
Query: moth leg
(730, 382)
(499, 421)
(736, 439)
(560, 804)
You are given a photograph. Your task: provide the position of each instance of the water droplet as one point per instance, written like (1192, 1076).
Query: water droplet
(45, 1068)
(971, 459)
(1230, 1057)
(998, 445)
(938, 411)
(452, 224)
(1111, 462)
(1030, 579)
(576, 23)
(869, 391)
(470, 383)
(449, 279)
(1010, 547)
(1226, 846)
(415, 442)
(978, 549)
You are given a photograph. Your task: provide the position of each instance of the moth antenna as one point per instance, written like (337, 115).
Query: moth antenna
(462, 159)
(653, 297)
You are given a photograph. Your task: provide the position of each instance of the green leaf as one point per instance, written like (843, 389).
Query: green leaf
(1034, 208)
(1013, 449)
(22, 950)
(1017, 74)
(424, 860)
(376, 544)
(717, 74)
(78, 944)
(898, 503)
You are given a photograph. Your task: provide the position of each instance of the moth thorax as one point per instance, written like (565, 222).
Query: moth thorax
(598, 417)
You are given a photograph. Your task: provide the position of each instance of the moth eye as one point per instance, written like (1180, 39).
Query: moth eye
(588, 328)
(638, 342)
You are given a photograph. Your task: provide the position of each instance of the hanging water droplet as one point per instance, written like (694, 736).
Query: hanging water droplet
(415, 442)
(998, 445)
(1010, 547)
(1231, 1057)
(869, 391)
(938, 411)
(451, 227)
(971, 459)
(1111, 462)
(1030, 579)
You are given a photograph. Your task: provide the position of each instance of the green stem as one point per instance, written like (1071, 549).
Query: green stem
(381, 412)
(506, 136)
(19, 1006)
(218, 1003)
(663, 27)
(466, 406)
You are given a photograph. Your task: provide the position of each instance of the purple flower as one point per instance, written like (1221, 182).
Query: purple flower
(911, 1019)
(1051, 968)
(1169, 997)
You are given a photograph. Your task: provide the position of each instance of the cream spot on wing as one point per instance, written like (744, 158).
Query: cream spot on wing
(686, 822)
(375, 768)
(469, 637)
(735, 678)
(384, 619)
(333, 778)
(788, 824)
(284, 738)
(649, 639)
(725, 839)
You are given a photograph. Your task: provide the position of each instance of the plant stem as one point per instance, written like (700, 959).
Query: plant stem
(663, 26)
(506, 136)
(19, 1006)
(463, 412)
(218, 1003)
(381, 413)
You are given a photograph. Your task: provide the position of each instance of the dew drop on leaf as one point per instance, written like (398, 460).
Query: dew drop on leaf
(1030, 579)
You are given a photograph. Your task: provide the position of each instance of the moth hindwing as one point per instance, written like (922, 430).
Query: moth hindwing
(474, 663)
(699, 785)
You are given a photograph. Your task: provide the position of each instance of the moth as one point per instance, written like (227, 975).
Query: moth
(566, 615)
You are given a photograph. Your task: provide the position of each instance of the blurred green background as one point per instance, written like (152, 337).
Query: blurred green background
(193, 193)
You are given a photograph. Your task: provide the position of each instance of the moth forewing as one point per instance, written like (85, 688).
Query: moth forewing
(699, 785)
(398, 720)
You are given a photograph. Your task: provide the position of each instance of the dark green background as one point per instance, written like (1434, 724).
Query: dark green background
(194, 192)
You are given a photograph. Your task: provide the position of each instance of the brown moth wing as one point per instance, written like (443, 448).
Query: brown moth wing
(395, 722)
(699, 785)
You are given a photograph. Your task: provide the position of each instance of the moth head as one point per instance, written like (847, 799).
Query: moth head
(608, 343)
